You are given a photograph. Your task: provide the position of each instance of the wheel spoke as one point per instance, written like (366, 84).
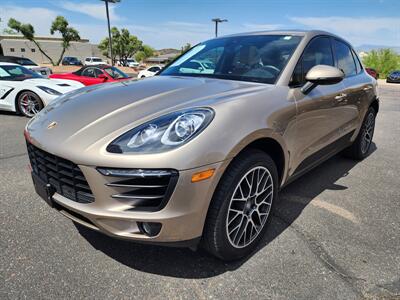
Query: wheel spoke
(249, 207)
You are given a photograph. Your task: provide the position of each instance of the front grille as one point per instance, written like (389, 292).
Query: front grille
(62, 174)
(141, 190)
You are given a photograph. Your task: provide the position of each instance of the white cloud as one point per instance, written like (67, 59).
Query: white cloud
(94, 10)
(163, 35)
(40, 18)
(373, 30)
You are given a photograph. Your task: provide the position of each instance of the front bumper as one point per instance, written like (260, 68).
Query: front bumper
(182, 218)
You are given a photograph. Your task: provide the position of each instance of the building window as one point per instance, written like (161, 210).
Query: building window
(33, 50)
(12, 50)
(22, 49)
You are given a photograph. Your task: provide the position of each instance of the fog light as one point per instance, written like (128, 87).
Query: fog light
(149, 228)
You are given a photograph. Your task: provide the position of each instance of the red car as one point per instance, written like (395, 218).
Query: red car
(89, 75)
(372, 72)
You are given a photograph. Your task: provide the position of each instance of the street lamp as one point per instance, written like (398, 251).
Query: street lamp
(218, 20)
(109, 29)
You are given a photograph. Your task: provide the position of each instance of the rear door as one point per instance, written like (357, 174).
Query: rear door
(318, 116)
(358, 88)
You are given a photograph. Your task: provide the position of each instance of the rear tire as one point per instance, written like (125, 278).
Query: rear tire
(241, 207)
(360, 147)
(29, 104)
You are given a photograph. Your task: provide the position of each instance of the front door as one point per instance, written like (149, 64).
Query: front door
(319, 112)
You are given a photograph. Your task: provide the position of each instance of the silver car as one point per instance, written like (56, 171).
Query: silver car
(197, 158)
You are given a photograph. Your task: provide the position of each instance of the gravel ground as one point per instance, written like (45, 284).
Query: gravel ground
(335, 235)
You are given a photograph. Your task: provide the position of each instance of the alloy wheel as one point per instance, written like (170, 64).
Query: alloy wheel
(30, 104)
(368, 132)
(249, 207)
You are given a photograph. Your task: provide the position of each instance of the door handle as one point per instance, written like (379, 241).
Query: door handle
(341, 97)
(367, 88)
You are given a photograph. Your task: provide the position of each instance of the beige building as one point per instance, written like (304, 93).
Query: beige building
(16, 45)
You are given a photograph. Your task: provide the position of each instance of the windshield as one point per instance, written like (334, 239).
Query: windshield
(25, 62)
(258, 58)
(72, 59)
(115, 73)
(17, 73)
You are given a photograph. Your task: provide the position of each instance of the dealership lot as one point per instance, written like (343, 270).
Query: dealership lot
(334, 235)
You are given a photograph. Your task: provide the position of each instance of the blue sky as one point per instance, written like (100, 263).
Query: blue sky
(172, 23)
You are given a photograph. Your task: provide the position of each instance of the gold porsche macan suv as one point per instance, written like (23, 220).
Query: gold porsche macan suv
(197, 154)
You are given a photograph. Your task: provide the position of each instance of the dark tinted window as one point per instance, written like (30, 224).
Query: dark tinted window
(115, 73)
(98, 72)
(25, 62)
(358, 63)
(16, 73)
(344, 58)
(318, 52)
(89, 72)
(154, 69)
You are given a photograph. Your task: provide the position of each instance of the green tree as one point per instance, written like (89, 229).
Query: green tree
(28, 32)
(146, 52)
(68, 34)
(9, 31)
(124, 44)
(382, 60)
(186, 48)
(60, 24)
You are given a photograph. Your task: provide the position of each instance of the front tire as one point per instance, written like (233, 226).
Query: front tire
(241, 206)
(360, 147)
(29, 104)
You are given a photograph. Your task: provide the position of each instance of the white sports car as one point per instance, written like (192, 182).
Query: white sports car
(24, 91)
(149, 72)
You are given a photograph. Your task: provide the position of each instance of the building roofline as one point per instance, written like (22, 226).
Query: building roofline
(38, 38)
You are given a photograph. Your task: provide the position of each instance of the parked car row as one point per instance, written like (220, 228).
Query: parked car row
(27, 63)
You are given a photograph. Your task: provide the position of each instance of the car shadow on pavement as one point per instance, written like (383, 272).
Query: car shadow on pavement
(184, 263)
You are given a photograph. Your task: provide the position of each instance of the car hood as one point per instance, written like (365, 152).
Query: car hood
(101, 112)
(61, 85)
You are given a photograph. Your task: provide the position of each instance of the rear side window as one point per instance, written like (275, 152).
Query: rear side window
(98, 72)
(89, 72)
(344, 58)
(318, 52)
(358, 63)
(154, 69)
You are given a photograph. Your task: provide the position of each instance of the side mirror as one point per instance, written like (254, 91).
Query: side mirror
(322, 75)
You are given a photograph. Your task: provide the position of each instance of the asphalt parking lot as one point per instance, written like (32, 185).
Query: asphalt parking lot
(335, 235)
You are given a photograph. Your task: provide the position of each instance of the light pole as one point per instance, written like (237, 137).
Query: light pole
(218, 20)
(109, 29)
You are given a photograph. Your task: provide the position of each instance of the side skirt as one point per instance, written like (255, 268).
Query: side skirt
(320, 156)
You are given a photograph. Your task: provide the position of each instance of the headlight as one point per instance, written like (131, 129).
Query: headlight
(164, 133)
(49, 90)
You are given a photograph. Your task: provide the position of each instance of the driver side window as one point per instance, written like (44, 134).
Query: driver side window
(318, 52)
